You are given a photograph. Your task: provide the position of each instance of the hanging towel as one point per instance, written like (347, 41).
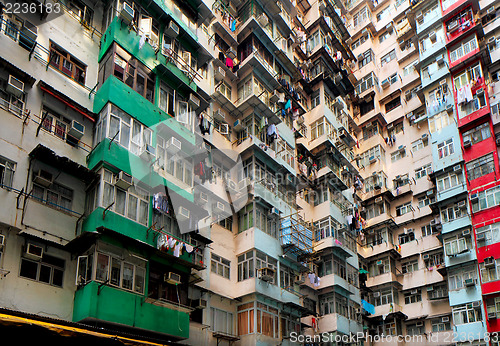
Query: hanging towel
(468, 93)
(189, 248)
(233, 25)
(229, 62)
(142, 41)
(177, 250)
(288, 104)
(263, 122)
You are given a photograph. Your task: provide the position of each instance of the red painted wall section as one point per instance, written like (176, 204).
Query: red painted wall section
(453, 7)
(461, 29)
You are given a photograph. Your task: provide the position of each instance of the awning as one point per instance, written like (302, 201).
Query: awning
(28, 328)
(49, 157)
(363, 271)
(420, 317)
(17, 71)
(67, 101)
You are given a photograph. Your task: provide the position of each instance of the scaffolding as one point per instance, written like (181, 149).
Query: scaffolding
(296, 236)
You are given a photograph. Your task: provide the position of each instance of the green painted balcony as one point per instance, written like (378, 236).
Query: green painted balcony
(107, 304)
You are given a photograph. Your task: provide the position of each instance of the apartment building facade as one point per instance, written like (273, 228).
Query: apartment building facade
(243, 172)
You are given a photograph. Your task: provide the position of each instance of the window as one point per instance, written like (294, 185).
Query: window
(384, 36)
(434, 259)
(375, 210)
(480, 166)
(227, 223)
(249, 264)
(477, 134)
(361, 16)
(56, 196)
(7, 169)
(386, 329)
(445, 148)
(127, 275)
(449, 181)
(491, 234)
(367, 58)
(389, 106)
(456, 278)
(427, 230)
(167, 99)
(455, 246)
(403, 209)
(221, 321)
(358, 42)
(414, 328)
(370, 130)
(423, 171)
(463, 49)
(380, 267)
(376, 152)
(409, 267)
(129, 70)
(320, 127)
(267, 319)
(388, 57)
(424, 201)
(491, 272)
(128, 132)
(410, 68)
(132, 203)
(383, 13)
(220, 266)
(287, 277)
(406, 237)
(440, 121)
(467, 313)
(331, 303)
(439, 325)
(397, 128)
(174, 165)
(398, 155)
(386, 296)
(419, 144)
(48, 269)
(470, 74)
(366, 83)
(79, 9)
(67, 64)
(486, 199)
(453, 212)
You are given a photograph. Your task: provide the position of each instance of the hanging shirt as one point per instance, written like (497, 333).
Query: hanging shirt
(288, 104)
(271, 130)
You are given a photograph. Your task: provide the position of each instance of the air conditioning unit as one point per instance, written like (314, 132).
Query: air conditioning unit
(15, 86)
(449, 108)
(266, 274)
(76, 130)
(338, 103)
(469, 282)
(467, 143)
(474, 197)
(489, 262)
(380, 263)
(172, 278)
(43, 178)
(432, 36)
(220, 73)
(385, 83)
(172, 29)
(200, 303)
(414, 291)
(231, 52)
(2, 241)
(218, 206)
(481, 237)
(124, 180)
(373, 159)
(194, 101)
(127, 13)
(148, 153)
(274, 211)
(237, 125)
(376, 294)
(440, 60)
(461, 204)
(203, 197)
(457, 168)
(445, 319)
(34, 251)
(174, 145)
(419, 324)
(379, 200)
(492, 315)
(182, 213)
(453, 26)
(425, 257)
(263, 20)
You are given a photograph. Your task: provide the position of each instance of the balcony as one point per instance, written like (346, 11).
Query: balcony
(439, 45)
(296, 236)
(428, 21)
(450, 6)
(469, 332)
(434, 73)
(457, 28)
(491, 26)
(478, 108)
(440, 106)
(494, 54)
(457, 224)
(450, 193)
(384, 218)
(107, 304)
(338, 323)
(379, 280)
(255, 62)
(465, 295)
(377, 249)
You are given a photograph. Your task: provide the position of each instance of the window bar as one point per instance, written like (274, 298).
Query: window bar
(93, 90)
(105, 210)
(41, 122)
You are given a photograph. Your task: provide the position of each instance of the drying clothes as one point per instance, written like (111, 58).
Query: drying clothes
(233, 25)
(177, 250)
(288, 104)
(317, 281)
(229, 62)
(460, 95)
(311, 278)
(189, 248)
(348, 219)
(263, 123)
(468, 93)
(142, 41)
(271, 130)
